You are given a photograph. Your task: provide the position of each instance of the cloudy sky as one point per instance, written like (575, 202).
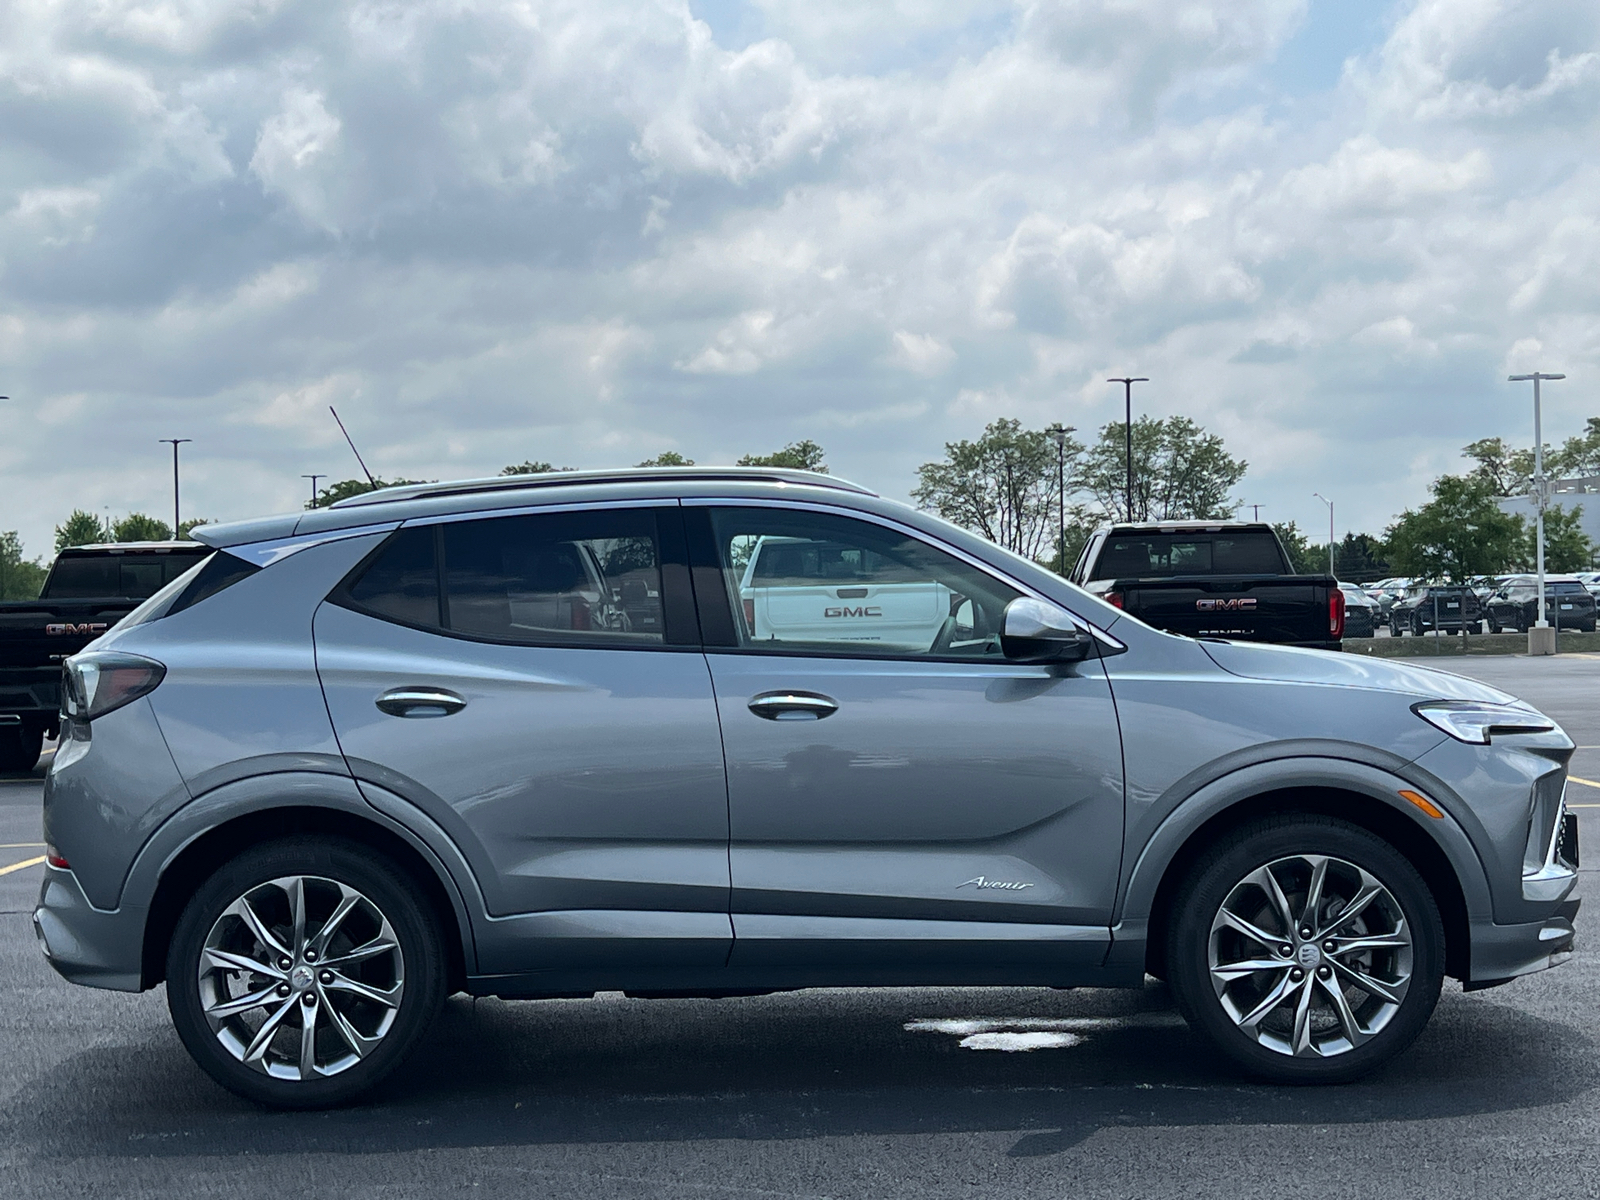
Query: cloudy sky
(587, 231)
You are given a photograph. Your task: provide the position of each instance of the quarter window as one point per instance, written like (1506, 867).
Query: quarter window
(815, 583)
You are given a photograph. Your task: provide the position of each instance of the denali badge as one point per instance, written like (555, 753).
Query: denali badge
(980, 883)
(1241, 605)
(70, 629)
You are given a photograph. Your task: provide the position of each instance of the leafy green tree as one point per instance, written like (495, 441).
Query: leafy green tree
(346, 488)
(1504, 470)
(184, 527)
(668, 458)
(140, 527)
(1305, 557)
(81, 529)
(1580, 456)
(19, 578)
(803, 455)
(1002, 486)
(529, 467)
(1566, 546)
(1360, 554)
(1461, 532)
(1179, 471)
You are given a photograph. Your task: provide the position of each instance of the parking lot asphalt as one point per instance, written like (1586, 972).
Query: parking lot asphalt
(819, 1094)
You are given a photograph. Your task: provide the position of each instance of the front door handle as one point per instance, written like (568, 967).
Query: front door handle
(793, 706)
(420, 702)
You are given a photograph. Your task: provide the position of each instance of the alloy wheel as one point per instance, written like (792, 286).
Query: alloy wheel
(301, 977)
(1310, 956)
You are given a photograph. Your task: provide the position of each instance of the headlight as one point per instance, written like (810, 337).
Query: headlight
(1475, 722)
(96, 682)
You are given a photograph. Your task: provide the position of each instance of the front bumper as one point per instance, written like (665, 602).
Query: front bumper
(1503, 952)
(85, 944)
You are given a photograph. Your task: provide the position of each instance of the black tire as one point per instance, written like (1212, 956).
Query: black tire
(393, 896)
(1222, 871)
(1494, 626)
(20, 749)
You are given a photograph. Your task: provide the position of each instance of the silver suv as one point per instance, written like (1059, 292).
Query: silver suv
(520, 738)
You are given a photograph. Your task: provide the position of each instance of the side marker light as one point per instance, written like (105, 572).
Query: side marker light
(1422, 802)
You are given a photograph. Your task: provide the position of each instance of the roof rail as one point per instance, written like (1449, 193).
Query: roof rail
(505, 483)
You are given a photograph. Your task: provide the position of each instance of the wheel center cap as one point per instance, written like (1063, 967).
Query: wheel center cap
(300, 978)
(1308, 955)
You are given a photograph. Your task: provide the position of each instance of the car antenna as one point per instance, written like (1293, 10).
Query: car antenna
(353, 449)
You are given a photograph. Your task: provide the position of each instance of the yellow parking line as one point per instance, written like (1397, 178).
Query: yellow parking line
(21, 845)
(1585, 782)
(32, 862)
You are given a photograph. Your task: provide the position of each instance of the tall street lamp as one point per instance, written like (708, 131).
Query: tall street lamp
(313, 479)
(1540, 497)
(1127, 383)
(175, 443)
(1329, 503)
(1058, 434)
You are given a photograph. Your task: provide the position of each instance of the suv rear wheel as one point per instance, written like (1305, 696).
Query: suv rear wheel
(1307, 949)
(303, 972)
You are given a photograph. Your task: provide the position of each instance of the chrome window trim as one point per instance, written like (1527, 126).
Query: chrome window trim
(264, 554)
(533, 510)
(1108, 643)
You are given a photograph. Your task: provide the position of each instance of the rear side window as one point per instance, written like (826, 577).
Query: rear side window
(584, 578)
(125, 574)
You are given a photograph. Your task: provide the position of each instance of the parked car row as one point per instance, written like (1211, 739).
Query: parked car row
(1494, 603)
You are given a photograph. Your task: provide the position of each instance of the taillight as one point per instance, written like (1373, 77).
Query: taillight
(53, 857)
(750, 615)
(97, 682)
(1113, 598)
(1336, 613)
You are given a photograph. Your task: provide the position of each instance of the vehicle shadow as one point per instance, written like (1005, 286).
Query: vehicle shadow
(805, 1065)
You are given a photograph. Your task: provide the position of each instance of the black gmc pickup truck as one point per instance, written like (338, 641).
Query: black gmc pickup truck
(89, 589)
(1212, 579)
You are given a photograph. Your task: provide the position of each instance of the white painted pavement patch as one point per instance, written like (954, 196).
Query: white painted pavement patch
(1014, 1034)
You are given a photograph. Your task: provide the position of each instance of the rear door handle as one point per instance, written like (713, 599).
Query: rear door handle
(793, 706)
(420, 702)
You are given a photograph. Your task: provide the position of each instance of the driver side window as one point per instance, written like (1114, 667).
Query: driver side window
(802, 582)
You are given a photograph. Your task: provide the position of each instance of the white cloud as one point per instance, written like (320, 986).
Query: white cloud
(587, 231)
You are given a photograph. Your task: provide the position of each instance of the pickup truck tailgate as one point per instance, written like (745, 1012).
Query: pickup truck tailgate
(1265, 610)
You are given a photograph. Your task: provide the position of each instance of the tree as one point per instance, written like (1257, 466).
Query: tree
(529, 467)
(668, 458)
(346, 488)
(184, 527)
(19, 578)
(1566, 546)
(80, 529)
(140, 527)
(1002, 486)
(1179, 471)
(1505, 471)
(1305, 558)
(803, 455)
(1461, 532)
(1360, 554)
(1580, 456)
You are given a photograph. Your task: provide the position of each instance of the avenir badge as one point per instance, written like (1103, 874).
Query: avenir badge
(981, 882)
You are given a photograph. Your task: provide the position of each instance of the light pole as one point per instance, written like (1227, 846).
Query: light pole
(1058, 434)
(175, 442)
(1127, 383)
(1538, 494)
(1329, 503)
(313, 479)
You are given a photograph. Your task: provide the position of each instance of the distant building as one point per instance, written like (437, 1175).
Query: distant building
(1582, 494)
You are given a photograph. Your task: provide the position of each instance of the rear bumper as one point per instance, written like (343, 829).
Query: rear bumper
(85, 944)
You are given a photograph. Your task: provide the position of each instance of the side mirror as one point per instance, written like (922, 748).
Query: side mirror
(1038, 631)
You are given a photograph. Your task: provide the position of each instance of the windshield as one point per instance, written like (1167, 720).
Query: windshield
(1226, 552)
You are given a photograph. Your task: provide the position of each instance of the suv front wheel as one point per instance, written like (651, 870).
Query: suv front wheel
(304, 971)
(1307, 949)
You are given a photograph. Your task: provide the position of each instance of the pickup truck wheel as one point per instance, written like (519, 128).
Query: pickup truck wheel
(19, 749)
(1306, 949)
(303, 972)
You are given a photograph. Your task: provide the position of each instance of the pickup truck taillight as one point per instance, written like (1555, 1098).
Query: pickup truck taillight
(1336, 613)
(1113, 598)
(99, 681)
